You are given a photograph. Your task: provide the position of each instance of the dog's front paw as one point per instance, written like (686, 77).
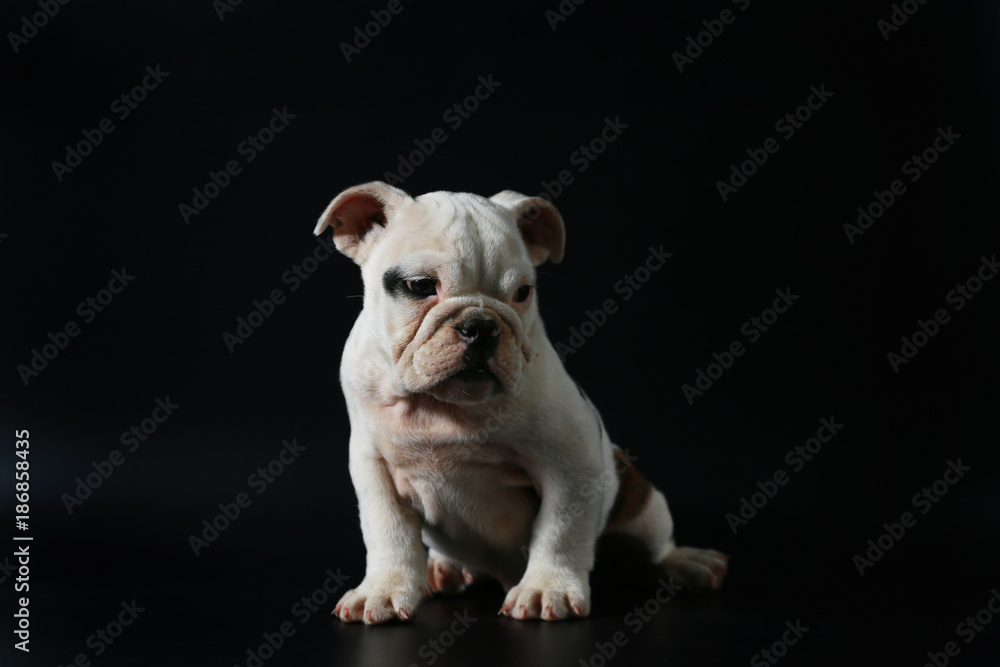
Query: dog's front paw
(548, 597)
(381, 598)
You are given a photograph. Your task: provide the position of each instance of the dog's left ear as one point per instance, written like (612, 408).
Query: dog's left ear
(358, 214)
(540, 223)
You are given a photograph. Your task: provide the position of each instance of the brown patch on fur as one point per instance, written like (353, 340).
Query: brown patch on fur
(634, 491)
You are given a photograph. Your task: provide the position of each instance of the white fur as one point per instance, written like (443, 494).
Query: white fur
(484, 476)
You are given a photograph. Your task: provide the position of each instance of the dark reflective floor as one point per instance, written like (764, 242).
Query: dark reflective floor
(791, 605)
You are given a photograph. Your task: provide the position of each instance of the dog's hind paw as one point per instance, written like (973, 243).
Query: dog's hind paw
(443, 576)
(697, 568)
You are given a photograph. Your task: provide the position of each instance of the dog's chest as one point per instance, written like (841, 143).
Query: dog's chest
(470, 500)
(462, 468)
(447, 463)
(464, 492)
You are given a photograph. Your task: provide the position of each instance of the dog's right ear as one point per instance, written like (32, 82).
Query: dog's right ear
(540, 225)
(358, 215)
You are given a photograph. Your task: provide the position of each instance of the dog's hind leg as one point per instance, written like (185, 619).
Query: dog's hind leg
(640, 512)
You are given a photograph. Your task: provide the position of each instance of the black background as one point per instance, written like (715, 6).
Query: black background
(654, 185)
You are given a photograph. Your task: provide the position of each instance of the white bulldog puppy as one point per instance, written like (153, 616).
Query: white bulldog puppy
(467, 434)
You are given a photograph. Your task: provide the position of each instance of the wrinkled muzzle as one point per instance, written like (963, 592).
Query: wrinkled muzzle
(466, 350)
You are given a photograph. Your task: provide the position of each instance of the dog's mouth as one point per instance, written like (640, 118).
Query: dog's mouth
(472, 384)
(475, 375)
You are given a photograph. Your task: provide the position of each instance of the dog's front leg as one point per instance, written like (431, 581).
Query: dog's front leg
(556, 582)
(395, 575)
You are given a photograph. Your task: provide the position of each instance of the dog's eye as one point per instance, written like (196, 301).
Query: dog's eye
(422, 286)
(523, 293)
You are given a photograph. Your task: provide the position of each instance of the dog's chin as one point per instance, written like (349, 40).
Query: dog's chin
(472, 385)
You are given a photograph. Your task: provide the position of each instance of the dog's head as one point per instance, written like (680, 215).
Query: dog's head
(449, 282)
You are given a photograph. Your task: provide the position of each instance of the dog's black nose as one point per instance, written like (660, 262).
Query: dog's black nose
(475, 329)
(483, 340)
